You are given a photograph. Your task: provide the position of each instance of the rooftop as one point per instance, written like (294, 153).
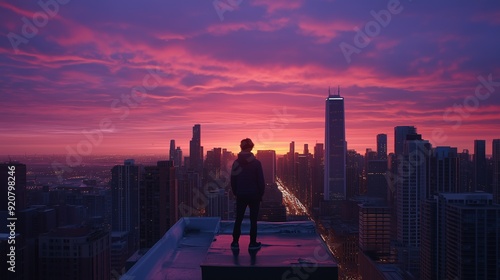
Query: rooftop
(199, 248)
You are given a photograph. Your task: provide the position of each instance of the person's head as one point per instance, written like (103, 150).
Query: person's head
(246, 145)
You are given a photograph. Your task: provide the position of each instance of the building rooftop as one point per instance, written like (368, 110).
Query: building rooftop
(199, 248)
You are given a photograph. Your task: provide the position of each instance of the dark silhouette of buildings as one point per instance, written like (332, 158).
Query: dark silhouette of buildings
(178, 157)
(382, 146)
(215, 185)
(375, 230)
(212, 165)
(304, 179)
(460, 237)
(125, 202)
(74, 253)
(318, 175)
(480, 171)
(268, 161)
(158, 201)
(272, 208)
(466, 176)
(400, 133)
(355, 183)
(496, 170)
(286, 169)
(411, 191)
(472, 239)
(444, 171)
(189, 184)
(376, 183)
(175, 154)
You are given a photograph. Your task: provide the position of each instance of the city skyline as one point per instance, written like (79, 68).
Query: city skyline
(135, 75)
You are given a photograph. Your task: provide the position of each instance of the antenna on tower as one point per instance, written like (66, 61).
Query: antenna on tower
(338, 91)
(329, 93)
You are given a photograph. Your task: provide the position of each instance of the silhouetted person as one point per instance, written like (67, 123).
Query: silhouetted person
(247, 183)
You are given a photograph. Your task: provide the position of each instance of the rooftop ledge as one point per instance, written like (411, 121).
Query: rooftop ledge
(199, 249)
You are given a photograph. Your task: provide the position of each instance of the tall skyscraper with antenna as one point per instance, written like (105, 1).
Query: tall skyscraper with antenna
(171, 154)
(335, 148)
(195, 150)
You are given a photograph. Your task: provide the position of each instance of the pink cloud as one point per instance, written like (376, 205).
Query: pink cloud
(277, 5)
(323, 31)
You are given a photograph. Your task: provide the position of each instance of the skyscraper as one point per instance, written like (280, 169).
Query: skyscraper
(354, 174)
(460, 237)
(195, 152)
(318, 176)
(125, 201)
(472, 239)
(400, 133)
(214, 186)
(375, 229)
(268, 160)
(431, 257)
(291, 162)
(496, 170)
(74, 253)
(304, 179)
(212, 165)
(466, 173)
(171, 154)
(444, 168)
(158, 201)
(410, 194)
(479, 159)
(382, 146)
(335, 148)
(376, 183)
(178, 157)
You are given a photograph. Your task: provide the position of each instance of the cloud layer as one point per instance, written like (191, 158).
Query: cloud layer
(136, 74)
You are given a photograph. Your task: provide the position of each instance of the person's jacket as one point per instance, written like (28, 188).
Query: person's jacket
(247, 177)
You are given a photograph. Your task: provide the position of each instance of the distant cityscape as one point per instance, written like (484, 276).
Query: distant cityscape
(421, 212)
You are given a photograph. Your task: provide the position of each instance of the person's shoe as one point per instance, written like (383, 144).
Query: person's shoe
(254, 245)
(235, 245)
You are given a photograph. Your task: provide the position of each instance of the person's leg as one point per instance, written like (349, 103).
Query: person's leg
(254, 213)
(241, 206)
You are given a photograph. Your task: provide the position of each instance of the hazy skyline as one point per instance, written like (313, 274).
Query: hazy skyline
(259, 70)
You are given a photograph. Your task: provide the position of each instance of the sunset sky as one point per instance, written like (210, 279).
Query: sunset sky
(135, 74)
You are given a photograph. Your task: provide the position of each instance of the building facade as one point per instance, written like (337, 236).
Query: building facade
(411, 191)
(125, 201)
(480, 171)
(496, 170)
(460, 237)
(158, 202)
(335, 149)
(74, 253)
